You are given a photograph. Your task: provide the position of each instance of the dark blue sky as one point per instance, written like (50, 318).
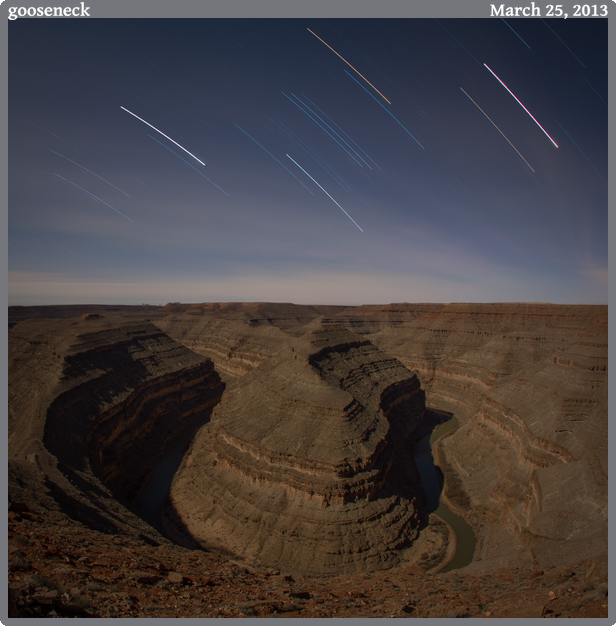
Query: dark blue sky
(314, 188)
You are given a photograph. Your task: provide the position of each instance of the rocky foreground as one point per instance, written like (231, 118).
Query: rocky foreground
(96, 393)
(60, 568)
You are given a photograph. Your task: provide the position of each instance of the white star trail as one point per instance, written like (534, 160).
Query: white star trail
(275, 159)
(308, 150)
(511, 92)
(461, 46)
(35, 126)
(163, 134)
(580, 149)
(563, 43)
(319, 125)
(516, 34)
(116, 165)
(325, 192)
(330, 128)
(602, 100)
(57, 244)
(498, 129)
(340, 129)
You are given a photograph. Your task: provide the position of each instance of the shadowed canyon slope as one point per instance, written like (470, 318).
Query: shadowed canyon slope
(92, 404)
(97, 393)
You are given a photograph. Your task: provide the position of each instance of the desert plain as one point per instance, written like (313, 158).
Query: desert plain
(297, 494)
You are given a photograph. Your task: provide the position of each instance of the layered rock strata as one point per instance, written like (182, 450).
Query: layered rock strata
(306, 464)
(528, 383)
(238, 336)
(93, 405)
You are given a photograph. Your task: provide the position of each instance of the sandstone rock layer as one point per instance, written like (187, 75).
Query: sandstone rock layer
(306, 463)
(95, 393)
(93, 402)
(527, 382)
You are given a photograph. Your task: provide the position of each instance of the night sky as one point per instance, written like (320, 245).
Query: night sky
(277, 172)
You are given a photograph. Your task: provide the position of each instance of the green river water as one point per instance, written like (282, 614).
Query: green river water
(466, 540)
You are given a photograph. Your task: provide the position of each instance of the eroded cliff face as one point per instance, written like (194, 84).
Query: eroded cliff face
(305, 465)
(528, 384)
(111, 394)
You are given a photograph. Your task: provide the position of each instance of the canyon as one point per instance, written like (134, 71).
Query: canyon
(267, 489)
(304, 465)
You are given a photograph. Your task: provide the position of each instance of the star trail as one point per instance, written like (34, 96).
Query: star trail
(222, 145)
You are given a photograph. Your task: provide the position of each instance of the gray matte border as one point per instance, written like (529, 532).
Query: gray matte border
(283, 9)
(271, 8)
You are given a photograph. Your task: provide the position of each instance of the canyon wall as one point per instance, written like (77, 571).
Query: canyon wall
(304, 465)
(93, 397)
(238, 336)
(93, 404)
(528, 384)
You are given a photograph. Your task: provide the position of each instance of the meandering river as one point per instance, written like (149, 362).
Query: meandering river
(466, 540)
